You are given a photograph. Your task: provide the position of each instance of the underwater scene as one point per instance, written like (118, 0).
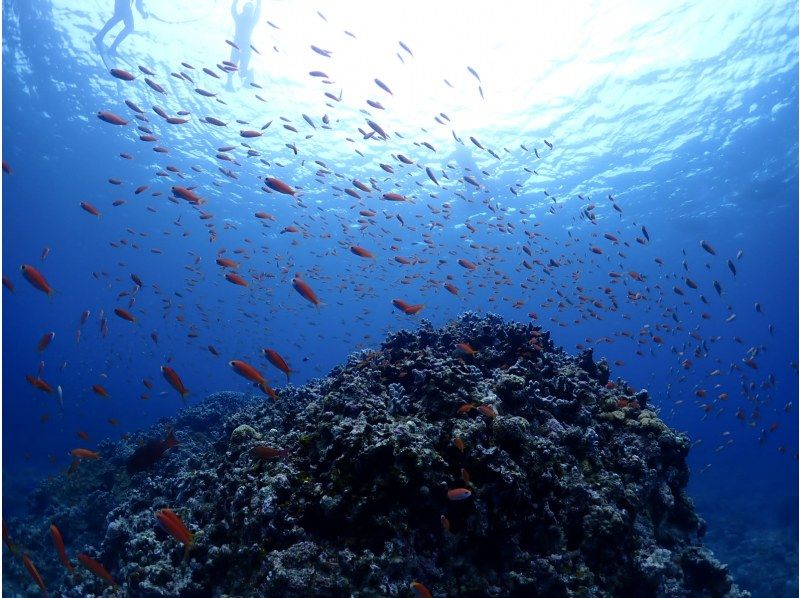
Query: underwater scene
(400, 299)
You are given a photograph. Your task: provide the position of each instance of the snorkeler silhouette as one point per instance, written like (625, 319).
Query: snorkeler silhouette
(122, 12)
(245, 22)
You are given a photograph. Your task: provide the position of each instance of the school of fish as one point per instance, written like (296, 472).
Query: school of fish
(387, 228)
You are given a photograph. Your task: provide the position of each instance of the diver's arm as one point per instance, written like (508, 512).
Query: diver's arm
(140, 8)
(258, 10)
(233, 9)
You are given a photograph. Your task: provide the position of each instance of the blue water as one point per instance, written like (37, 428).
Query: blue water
(686, 116)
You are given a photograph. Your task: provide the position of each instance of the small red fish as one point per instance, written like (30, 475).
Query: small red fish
(90, 208)
(59, 544)
(361, 252)
(279, 186)
(170, 521)
(466, 349)
(305, 290)
(247, 371)
(188, 195)
(39, 383)
(26, 560)
(236, 279)
(100, 390)
(96, 568)
(122, 74)
(7, 540)
(125, 314)
(45, 341)
(394, 197)
(174, 380)
(227, 263)
(278, 361)
(265, 453)
(82, 453)
(466, 264)
(33, 276)
(458, 494)
(451, 288)
(420, 591)
(111, 118)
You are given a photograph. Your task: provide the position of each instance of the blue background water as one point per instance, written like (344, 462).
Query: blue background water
(687, 115)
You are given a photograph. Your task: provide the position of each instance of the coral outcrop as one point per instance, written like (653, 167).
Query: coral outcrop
(575, 487)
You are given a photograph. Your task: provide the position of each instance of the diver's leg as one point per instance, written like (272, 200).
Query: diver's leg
(234, 59)
(244, 64)
(98, 39)
(128, 19)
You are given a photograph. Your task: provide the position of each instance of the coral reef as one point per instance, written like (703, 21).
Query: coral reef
(564, 484)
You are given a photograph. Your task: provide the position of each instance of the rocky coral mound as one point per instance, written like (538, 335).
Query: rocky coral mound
(513, 470)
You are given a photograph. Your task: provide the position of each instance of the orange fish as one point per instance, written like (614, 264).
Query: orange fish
(170, 521)
(248, 371)
(7, 540)
(279, 186)
(445, 523)
(413, 310)
(305, 291)
(236, 279)
(38, 383)
(34, 573)
(394, 197)
(34, 277)
(111, 118)
(96, 568)
(188, 195)
(174, 380)
(264, 453)
(227, 263)
(400, 304)
(451, 288)
(361, 252)
(59, 543)
(90, 208)
(466, 264)
(466, 408)
(124, 314)
(98, 389)
(466, 348)
(45, 341)
(420, 591)
(458, 494)
(83, 435)
(459, 444)
(122, 74)
(278, 361)
(82, 453)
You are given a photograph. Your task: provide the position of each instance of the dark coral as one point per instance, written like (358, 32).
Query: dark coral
(576, 487)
